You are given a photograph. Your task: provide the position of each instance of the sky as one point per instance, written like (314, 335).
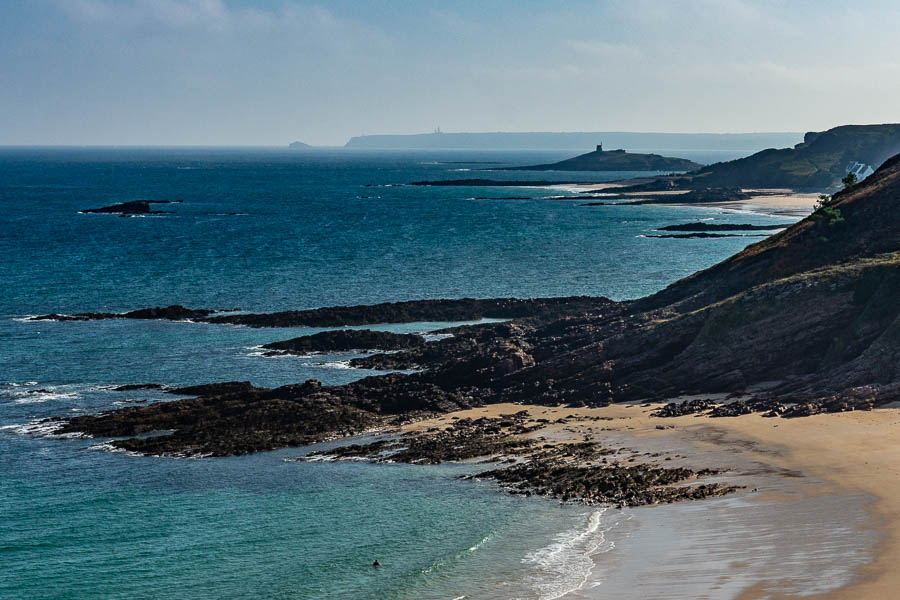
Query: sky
(268, 72)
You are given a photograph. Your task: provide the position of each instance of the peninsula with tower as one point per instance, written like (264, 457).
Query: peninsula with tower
(614, 160)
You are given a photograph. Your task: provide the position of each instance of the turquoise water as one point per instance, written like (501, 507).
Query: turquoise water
(276, 230)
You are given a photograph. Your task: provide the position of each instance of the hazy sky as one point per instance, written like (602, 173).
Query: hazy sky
(266, 72)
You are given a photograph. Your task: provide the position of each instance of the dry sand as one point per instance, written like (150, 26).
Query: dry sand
(851, 453)
(777, 202)
(773, 202)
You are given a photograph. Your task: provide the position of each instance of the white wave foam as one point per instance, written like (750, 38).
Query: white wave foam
(32, 392)
(38, 427)
(481, 542)
(39, 397)
(565, 565)
(335, 364)
(16, 384)
(434, 337)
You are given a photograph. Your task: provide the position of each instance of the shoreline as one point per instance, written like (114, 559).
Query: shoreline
(848, 461)
(775, 202)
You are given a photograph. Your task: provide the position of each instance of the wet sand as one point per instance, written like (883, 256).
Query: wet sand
(819, 518)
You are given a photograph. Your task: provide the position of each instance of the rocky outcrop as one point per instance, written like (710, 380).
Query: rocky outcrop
(344, 340)
(721, 227)
(482, 183)
(570, 471)
(175, 312)
(683, 236)
(465, 309)
(130, 208)
(614, 160)
(631, 485)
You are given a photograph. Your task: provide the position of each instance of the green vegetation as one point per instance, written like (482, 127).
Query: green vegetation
(827, 214)
(850, 180)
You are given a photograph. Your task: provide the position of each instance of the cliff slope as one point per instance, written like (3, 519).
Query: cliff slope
(818, 163)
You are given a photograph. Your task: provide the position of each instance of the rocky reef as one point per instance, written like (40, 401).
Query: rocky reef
(804, 321)
(465, 309)
(569, 470)
(346, 339)
(721, 227)
(705, 235)
(482, 183)
(175, 312)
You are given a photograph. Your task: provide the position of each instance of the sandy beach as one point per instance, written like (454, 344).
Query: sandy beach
(785, 203)
(814, 474)
(771, 201)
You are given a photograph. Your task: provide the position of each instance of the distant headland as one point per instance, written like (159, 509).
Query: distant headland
(658, 142)
(614, 160)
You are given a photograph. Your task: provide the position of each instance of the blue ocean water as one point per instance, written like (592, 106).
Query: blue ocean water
(267, 230)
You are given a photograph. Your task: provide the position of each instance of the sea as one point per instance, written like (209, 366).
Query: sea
(266, 230)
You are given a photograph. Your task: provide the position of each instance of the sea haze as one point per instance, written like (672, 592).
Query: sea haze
(269, 230)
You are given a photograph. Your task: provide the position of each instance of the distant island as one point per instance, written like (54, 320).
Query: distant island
(299, 146)
(614, 160)
(745, 143)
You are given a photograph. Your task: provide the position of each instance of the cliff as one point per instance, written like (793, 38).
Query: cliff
(818, 163)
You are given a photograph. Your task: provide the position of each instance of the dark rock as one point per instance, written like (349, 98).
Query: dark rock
(633, 485)
(733, 409)
(346, 339)
(137, 386)
(127, 208)
(483, 183)
(687, 407)
(215, 389)
(176, 312)
(465, 309)
(703, 235)
(720, 227)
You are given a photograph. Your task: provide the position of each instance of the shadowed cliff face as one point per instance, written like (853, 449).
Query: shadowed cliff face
(811, 315)
(871, 213)
(818, 163)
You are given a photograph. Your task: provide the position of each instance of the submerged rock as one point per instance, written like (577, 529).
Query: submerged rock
(128, 208)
